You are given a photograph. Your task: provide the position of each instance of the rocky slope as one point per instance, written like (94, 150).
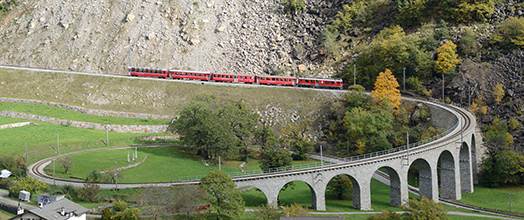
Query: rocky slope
(251, 36)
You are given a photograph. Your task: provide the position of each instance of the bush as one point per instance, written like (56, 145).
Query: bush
(467, 45)
(296, 210)
(89, 193)
(267, 212)
(26, 183)
(413, 83)
(293, 6)
(513, 124)
(509, 34)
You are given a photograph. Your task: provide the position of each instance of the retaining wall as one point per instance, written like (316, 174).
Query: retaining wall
(90, 111)
(89, 125)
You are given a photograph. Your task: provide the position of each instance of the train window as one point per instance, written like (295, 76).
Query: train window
(251, 77)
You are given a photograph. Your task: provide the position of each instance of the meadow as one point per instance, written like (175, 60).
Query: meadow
(60, 113)
(41, 139)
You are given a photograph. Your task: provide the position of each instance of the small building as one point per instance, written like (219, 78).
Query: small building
(4, 174)
(58, 209)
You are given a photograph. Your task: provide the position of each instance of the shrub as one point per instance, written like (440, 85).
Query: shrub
(293, 6)
(413, 83)
(296, 210)
(267, 212)
(467, 45)
(513, 124)
(26, 183)
(509, 34)
(89, 193)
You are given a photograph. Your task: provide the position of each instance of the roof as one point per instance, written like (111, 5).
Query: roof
(52, 210)
(5, 173)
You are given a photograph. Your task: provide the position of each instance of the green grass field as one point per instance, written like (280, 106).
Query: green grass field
(163, 164)
(55, 112)
(41, 140)
(7, 120)
(6, 215)
(496, 198)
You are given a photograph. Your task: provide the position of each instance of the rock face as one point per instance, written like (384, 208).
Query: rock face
(481, 78)
(238, 36)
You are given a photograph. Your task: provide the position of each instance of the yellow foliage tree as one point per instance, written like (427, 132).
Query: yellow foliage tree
(498, 92)
(386, 89)
(447, 58)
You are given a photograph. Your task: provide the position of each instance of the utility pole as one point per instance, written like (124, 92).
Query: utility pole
(219, 165)
(321, 160)
(443, 88)
(404, 74)
(107, 136)
(469, 93)
(407, 138)
(26, 62)
(116, 178)
(354, 74)
(54, 178)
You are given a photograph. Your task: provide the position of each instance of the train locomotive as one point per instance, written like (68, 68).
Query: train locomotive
(313, 82)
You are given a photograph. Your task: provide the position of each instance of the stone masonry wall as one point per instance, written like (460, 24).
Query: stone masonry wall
(89, 125)
(90, 111)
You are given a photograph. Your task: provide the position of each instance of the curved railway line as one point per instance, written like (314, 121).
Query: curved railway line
(37, 169)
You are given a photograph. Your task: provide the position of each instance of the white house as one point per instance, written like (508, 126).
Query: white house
(61, 209)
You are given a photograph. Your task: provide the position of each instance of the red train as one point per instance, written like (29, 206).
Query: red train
(234, 78)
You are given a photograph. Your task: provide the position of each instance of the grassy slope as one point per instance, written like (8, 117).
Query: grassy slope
(41, 140)
(163, 164)
(145, 96)
(496, 198)
(7, 120)
(55, 112)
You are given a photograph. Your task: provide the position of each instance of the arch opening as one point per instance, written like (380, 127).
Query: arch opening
(342, 191)
(466, 180)
(420, 176)
(253, 196)
(386, 176)
(474, 165)
(447, 178)
(298, 192)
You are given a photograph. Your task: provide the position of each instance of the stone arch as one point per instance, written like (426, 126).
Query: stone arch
(356, 189)
(448, 180)
(425, 179)
(395, 194)
(466, 180)
(311, 188)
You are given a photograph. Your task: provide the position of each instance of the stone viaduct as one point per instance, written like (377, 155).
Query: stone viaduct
(456, 152)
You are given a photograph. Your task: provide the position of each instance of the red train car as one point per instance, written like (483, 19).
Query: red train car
(147, 72)
(320, 83)
(234, 78)
(276, 80)
(194, 75)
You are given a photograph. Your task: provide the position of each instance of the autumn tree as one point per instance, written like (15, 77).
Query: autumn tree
(225, 197)
(66, 162)
(386, 90)
(498, 92)
(447, 58)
